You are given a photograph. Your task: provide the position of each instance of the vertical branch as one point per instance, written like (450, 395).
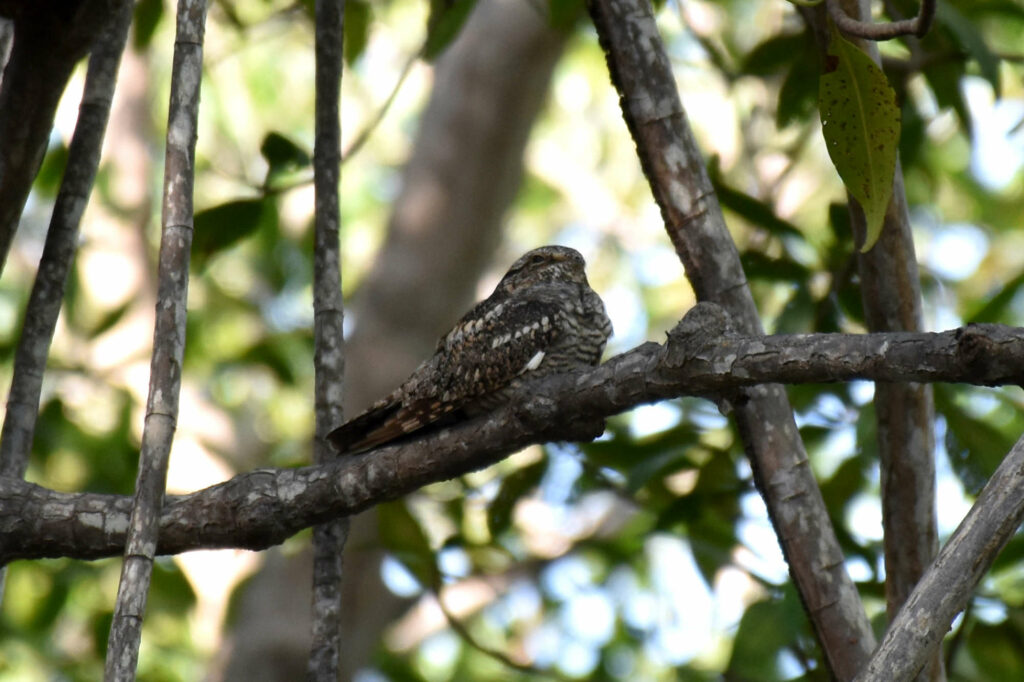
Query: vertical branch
(891, 295)
(674, 168)
(168, 343)
(328, 352)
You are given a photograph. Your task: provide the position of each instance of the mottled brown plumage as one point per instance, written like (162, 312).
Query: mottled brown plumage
(542, 318)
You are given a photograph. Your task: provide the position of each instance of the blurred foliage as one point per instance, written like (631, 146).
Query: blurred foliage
(644, 556)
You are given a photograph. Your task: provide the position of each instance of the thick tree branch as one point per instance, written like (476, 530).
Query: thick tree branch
(262, 508)
(945, 589)
(642, 74)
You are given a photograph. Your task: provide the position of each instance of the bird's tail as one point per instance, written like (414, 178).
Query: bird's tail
(387, 421)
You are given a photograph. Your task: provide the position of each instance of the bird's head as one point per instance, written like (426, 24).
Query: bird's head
(544, 264)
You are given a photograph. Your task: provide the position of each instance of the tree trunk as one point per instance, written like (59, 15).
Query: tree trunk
(464, 171)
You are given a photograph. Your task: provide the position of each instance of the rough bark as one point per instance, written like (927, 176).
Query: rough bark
(328, 352)
(678, 177)
(61, 242)
(264, 507)
(915, 634)
(891, 295)
(168, 344)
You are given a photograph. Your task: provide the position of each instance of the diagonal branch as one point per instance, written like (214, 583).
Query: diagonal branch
(946, 587)
(168, 343)
(676, 171)
(61, 243)
(49, 38)
(262, 508)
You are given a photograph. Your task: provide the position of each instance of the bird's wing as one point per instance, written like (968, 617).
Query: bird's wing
(484, 353)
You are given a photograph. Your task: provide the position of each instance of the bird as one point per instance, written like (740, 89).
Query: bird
(542, 318)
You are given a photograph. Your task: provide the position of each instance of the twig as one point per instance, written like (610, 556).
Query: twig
(328, 352)
(918, 26)
(368, 129)
(463, 632)
(168, 343)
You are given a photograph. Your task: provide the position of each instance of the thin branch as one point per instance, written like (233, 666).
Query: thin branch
(168, 343)
(677, 173)
(459, 628)
(891, 296)
(263, 508)
(916, 633)
(328, 351)
(61, 244)
(368, 129)
(918, 26)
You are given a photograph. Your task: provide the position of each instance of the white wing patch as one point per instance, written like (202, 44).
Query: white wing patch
(534, 362)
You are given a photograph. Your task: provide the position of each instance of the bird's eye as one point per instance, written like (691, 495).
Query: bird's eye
(536, 259)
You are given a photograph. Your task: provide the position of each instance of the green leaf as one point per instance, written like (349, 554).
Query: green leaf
(965, 32)
(975, 447)
(445, 22)
(563, 14)
(861, 125)
(282, 155)
(752, 209)
(944, 79)
(274, 353)
(148, 14)
(773, 55)
(514, 487)
(51, 172)
(107, 321)
(995, 650)
(357, 28)
(221, 226)
(402, 535)
(758, 265)
(995, 308)
(645, 459)
(797, 94)
(766, 629)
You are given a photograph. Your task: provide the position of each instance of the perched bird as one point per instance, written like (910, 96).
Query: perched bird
(542, 318)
